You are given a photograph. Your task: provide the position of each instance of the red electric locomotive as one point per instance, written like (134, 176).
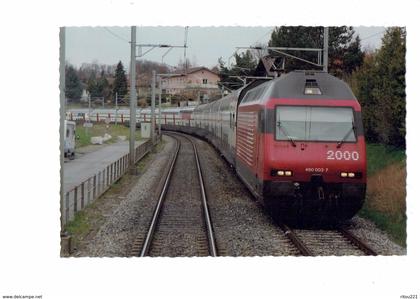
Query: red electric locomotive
(295, 141)
(300, 147)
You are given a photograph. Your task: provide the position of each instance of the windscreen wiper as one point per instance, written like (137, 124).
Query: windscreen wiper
(347, 135)
(285, 133)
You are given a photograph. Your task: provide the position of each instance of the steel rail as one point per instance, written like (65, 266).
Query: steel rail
(296, 240)
(210, 234)
(357, 242)
(212, 242)
(152, 227)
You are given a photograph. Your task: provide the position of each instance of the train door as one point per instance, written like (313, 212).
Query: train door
(220, 121)
(260, 139)
(232, 124)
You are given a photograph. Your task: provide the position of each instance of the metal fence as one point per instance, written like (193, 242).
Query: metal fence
(92, 188)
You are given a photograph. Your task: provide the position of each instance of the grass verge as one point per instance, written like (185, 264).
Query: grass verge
(93, 216)
(394, 225)
(386, 193)
(99, 129)
(380, 156)
(79, 225)
(84, 221)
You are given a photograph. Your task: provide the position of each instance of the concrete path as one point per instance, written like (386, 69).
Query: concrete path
(87, 165)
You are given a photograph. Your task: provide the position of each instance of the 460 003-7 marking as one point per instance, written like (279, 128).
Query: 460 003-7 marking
(340, 155)
(316, 169)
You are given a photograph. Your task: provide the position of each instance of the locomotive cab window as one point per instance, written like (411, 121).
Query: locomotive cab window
(306, 123)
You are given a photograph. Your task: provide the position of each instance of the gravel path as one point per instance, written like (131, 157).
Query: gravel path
(116, 236)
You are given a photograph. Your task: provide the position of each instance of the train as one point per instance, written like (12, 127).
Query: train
(296, 142)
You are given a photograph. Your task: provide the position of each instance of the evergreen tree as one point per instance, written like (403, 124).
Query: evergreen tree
(344, 52)
(98, 87)
(245, 64)
(92, 86)
(73, 85)
(363, 82)
(380, 87)
(120, 83)
(222, 70)
(297, 37)
(353, 56)
(389, 92)
(103, 87)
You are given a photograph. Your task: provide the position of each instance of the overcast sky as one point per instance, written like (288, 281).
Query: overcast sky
(108, 45)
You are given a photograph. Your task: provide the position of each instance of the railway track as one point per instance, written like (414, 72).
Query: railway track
(181, 224)
(326, 242)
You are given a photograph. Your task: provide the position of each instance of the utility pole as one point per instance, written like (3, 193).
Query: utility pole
(325, 60)
(116, 106)
(87, 123)
(153, 104)
(141, 54)
(90, 106)
(62, 117)
(185, 49)
(133, 100)
(160, 103)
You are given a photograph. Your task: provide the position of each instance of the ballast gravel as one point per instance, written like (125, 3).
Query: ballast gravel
(242, 227)
(366, 231)
(117, 234)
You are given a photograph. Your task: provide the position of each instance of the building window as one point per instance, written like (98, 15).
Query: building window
(204, 81)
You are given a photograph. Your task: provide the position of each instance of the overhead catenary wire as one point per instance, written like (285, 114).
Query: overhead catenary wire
(265, 34)
(254, 43)
(370, 36)
(115, 35)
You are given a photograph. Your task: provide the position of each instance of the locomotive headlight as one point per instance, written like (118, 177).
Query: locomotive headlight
(276, 172)
(351, 175)
(280, 173)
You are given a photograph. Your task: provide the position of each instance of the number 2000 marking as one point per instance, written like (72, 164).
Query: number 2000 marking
(339, 155)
